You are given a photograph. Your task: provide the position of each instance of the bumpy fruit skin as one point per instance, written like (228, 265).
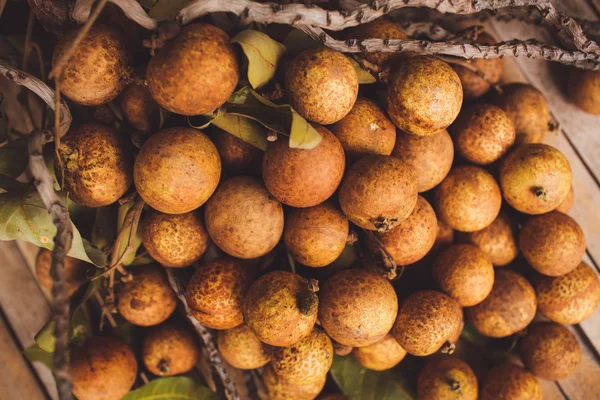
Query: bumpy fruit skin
(495, 316)
(535, 178)
(447, 378)
(301, 177)
(317, 76)
(243, 219)
(429, 156)
(509, 381)
(104, 368)
(385, 354)
(139, 108)
(96, 165)
(468, 199)
(169, 350)
(378, 29)
(550, 351)
(498, 240)
(147, 299)
(177, 170)
(175, 240)
(75, 271)
(241, 348)
(424, 96)
(237, 156)
(358, 308)
(280, 308)
(95, 72)
(216, 292)
(279, 389)
(584, 90)
(377, 192)
(568, 299)
(195, 72)
(567, 203)
(316, 236)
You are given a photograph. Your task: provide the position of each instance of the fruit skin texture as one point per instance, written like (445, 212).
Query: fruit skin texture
(75, 271)
(535, 178)
(236, 155)
(553, 244)
(380, 29)
(385, 354)
(169, 350)
(280, 309)
(567, 203)
(510, 382)
(316, 236)
(496, 316)
(97, 165)
(377, 192)
(279, 389)
(429, 156)
(465, 273)
(177, 170)
(301, 177)
(243, 219)
(315, 77)
(498, 240)
(584, 90)
(568, 299)
(550, 351)
(468, 199)
(139, 108)
(241, 348)
(104, 368)
(447, 378)
(424, 96)
(194, 73)
(175, 240)
(95, 72)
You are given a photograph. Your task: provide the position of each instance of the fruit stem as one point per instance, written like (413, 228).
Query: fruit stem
(383, 224)
(448, 348)
(540, 192)
(454, 385)
(163, 366)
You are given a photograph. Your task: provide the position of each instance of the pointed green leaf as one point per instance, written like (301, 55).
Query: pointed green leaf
(263, 54)
(180, 388)
(13, 156)
(45, 338)
(364, 76)
(137, 242)
(35, 353)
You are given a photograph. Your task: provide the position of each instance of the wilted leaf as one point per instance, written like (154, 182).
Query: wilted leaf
(13, 156)
(144, 259)
(45, 338)
(137, 241)
(364, 76)
(181, 388)
(263, 54)
(166, 10)
(35, 353)
(243, 128)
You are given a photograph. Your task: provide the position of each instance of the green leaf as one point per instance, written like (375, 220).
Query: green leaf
(263, 54)
(164, 10)
(137, 241)
(45, 338)
(35, 353)
(246, 129)
(13, 156)
(180, 388)
(364, 76)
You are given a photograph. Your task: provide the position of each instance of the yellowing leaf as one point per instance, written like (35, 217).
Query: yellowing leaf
(244, 128)
(181, 388)
(166, 10)
(263, 54)
(364, 76)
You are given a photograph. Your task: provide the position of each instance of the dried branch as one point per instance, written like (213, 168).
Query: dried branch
(131, 8)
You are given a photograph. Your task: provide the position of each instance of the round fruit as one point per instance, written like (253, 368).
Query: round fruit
(465, 273)
(550, 351)
(377, 192)
(302, 177)
(243, 219)
(379, 29)
(445, 236)
(385, 354)
(468, 199)
(535, 178)
(498, 240)
(455, 336)
(583, 88)
(424, 96)
(358, 308)
(315, 77)
(195, 72)
(496, 316)
(426, 320)
(509, 381)
(445, 378)
(95, 73)
(169, 350)
(177, 170)
(315, 236)
(429, 156)
(75, 271)
(279, 389)
(236, 155)
(567, 203)
(281, 308)
(341, 349)
(139, 108)
(95, 164)
(553, 244)
(241, 348)
(103, 368)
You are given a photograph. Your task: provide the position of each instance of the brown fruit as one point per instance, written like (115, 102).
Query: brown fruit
(104, 368)
(445, 236)
(315, 236)
(568, 299)
(426, 320)
(147, 299)
(429, 156)
(243, 219)
(341, 349)
(535, 178)
(281, 308)
(424, 96)
(377, 192)
(315, 77)
(378, 29)
(95, 165)
(279, 389)
(468, 199)
(584, 90)
(455, 336)
(385, 354)
(301, 177)
(75, 271)
(195, 72)
(498, 240)
(216, 292)
(236, 155)
(553, 244)
(496, 316)
(139, 108)
(465, 273)
(169, 350)
(447, 378)
(177, 170)
(509, 381)
(175, 240)
(550, 351)
(241, 348)
(95, 73)
(567, 203)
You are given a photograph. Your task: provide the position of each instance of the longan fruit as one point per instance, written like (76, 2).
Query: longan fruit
(583, 88)
(279, 389)
(241, 348)
(378, 29)
(445, 378)
(139, 108)
(237, 156)
(169, 350)
(567, 203)
(509, 381)
(498, 240)
(385, 354)
(341, 349)
(75, 271)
